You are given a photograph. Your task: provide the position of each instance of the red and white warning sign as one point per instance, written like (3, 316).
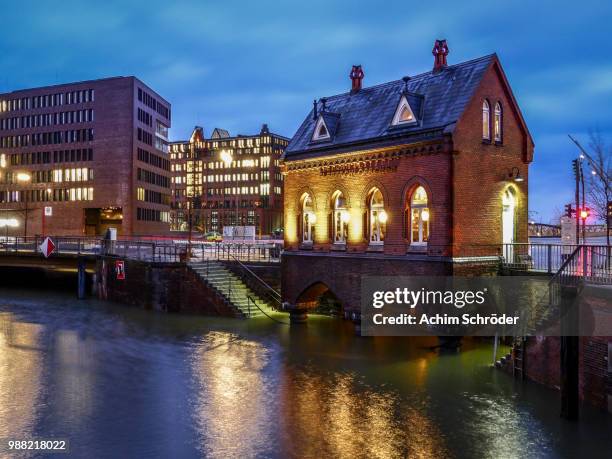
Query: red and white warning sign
(47, 247)
(120, 269)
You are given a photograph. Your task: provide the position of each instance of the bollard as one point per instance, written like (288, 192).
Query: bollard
(82, 275)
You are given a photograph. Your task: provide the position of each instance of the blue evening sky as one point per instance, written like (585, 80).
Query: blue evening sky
(237, 65)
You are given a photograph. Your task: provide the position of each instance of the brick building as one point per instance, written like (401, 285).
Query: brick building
(227, 181)
(424, 175)
(95, 153)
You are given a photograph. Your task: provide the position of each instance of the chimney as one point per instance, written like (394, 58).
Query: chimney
(440, 51)
(314, 110)
(356, 76)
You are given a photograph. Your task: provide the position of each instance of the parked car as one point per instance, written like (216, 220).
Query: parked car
(213, 236)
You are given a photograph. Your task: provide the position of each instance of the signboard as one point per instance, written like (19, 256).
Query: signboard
(120, 269)
(48, 211)
(47, 247)
(239, 232)
(568, 233)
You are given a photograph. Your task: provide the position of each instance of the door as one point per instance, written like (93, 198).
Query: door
(508, 217)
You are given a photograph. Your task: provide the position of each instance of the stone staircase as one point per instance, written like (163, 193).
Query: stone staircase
(233, 290)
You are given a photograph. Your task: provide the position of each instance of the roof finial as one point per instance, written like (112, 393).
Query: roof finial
(323, 102)
(440, 51)
(406, 79)
(356, 77)
(314, 110)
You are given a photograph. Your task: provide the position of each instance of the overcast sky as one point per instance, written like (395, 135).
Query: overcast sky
(237, 65)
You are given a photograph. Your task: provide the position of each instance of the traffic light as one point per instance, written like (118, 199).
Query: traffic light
(568, 210)
(576, 168)
(584, 213)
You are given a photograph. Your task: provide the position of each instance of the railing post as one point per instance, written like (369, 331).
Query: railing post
(549, 258)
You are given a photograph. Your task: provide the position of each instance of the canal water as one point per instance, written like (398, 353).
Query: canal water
(122, 382)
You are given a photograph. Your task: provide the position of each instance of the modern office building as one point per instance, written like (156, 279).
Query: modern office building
(227, 181)
(78, 158)
(425, 175)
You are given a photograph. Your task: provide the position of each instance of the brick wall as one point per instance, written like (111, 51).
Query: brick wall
(425, 164)
(481, 168)
(170, 287)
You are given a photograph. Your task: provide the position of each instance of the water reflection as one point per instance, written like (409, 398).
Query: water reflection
(120, 382)
(20, 376)
(233, 402)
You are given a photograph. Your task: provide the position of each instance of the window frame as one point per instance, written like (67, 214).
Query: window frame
(498, 123)
(424, 226)
(486, 120)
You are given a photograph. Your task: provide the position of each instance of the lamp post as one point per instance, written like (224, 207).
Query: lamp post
(24, 177)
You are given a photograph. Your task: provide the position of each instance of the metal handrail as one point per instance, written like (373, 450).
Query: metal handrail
(276, 296)
(264, 312)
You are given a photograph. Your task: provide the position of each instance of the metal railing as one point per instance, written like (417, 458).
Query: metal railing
(591, 261)
(254, 282)
(244, 252)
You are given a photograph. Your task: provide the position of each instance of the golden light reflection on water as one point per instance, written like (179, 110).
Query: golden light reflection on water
(20, 376)
(232, 403)
(337, 416)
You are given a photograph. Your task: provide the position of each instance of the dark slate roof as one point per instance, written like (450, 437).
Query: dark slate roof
(437, 100)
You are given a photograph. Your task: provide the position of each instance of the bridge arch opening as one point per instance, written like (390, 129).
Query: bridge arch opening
(318, 298)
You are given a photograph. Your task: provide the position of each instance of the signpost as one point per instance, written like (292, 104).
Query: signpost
(47, 247)
(120, 269)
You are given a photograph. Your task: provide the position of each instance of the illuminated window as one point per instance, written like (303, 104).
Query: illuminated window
(340, 218)
(377, 217)
(497, 126)
(403, 113)
(419, 217)
(308, 219)
(140, 194)
(486, 121)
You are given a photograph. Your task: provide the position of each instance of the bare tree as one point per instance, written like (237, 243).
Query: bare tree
(599, 190)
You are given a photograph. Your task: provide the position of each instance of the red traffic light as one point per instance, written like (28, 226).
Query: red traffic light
(584, 213)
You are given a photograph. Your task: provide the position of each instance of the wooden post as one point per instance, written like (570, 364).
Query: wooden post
(82, 275)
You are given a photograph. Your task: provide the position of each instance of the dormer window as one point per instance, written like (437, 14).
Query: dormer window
(320, 131)
(403, 113)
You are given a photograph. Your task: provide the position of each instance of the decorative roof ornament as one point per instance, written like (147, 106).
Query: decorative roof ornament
(356, 77)
(440, 51)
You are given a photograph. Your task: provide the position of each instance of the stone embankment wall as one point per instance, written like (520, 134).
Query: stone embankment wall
(170, 287)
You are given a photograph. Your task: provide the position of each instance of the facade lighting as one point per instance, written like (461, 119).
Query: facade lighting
(382, 217)
(226, 157)
(345, 216)
(23, 177)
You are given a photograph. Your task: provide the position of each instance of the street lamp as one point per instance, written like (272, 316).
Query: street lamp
(24, 177)
(227, 158)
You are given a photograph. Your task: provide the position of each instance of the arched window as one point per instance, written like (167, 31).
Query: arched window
(377, 217)
(419, 217)
(340, 218)
(497, 124)
(486, 120)
(308, 219)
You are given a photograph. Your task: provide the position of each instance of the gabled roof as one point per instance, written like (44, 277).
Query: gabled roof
(219, 133)
(437, 99)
